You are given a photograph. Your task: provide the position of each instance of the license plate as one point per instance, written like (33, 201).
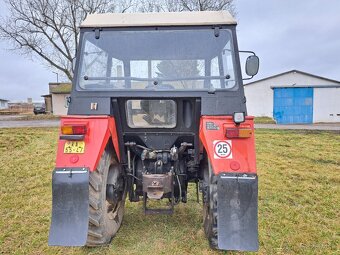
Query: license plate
(74, 147)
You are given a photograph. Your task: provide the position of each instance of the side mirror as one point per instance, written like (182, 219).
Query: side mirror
(252, 65)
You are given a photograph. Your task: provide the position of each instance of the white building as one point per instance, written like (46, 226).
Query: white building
(56, 101)
(3, 104)
(294, 97)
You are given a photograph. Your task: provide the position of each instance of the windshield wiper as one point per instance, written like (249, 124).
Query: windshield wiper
(156, 79)
(87, 78)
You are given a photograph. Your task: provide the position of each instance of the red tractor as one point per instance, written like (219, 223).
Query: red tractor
(157, 102)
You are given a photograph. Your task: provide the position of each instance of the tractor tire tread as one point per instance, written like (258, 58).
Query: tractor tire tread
(210, 208)
(213, 239)
(94, 203)
(95, 233)
(101, 229)
(95, 219)
(95, 183)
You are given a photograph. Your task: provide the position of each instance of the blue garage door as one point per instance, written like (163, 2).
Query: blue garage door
(293, 105)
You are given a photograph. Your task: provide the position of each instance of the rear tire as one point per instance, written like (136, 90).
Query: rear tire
(105, 218)
(210, 207)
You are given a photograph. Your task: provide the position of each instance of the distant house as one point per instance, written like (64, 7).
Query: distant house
(21, 107)
(55, 101)
(3, 104)
(294, 97)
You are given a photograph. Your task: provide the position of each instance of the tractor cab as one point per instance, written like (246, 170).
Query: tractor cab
(157, 102)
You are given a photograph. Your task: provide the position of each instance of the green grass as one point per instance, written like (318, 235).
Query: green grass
(36, 117)
(298, 200)
(264, 120)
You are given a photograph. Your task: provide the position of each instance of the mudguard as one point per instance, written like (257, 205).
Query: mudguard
(237, 184)
(70, 180)
(101, 130)
(237, 212)
(70, 207)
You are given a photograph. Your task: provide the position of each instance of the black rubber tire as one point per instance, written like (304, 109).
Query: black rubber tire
(210, 208)
(103, 222)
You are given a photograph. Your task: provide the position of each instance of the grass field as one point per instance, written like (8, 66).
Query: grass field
(264, 120)
(298, 200)
(39, 117)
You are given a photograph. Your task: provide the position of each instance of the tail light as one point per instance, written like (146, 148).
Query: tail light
(74, 129)
(238, 132)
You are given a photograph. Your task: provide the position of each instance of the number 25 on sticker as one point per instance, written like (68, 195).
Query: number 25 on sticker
(222, 149)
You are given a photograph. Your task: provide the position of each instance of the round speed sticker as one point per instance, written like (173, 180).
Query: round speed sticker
(222, 149)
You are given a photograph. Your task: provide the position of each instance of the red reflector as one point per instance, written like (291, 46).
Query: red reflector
(74, 129)
(79, 130)
(234, 165)
(232, 132)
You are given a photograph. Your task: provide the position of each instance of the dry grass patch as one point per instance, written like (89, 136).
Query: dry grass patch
(298, 200)
(38, 117)
(264, 120)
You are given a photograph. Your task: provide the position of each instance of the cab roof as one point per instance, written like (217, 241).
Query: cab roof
(159, 19)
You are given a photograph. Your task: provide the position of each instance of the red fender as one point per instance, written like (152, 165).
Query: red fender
(99, 131)
(235, 155)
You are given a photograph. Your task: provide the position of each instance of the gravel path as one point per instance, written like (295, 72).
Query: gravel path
(324, 126)
(29, 123)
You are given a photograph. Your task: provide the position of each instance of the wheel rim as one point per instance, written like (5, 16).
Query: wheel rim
(118, 182)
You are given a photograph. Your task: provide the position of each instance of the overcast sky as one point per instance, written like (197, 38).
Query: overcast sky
(285, 34)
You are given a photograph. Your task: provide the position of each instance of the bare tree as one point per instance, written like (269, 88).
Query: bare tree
(149, 6)
(208, 5)
(48, 29)
(187, 5)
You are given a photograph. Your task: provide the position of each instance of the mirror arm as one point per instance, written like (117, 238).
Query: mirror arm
(247, 51)
(248, 78)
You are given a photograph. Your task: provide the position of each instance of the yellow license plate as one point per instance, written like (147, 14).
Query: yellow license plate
(74, 147)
